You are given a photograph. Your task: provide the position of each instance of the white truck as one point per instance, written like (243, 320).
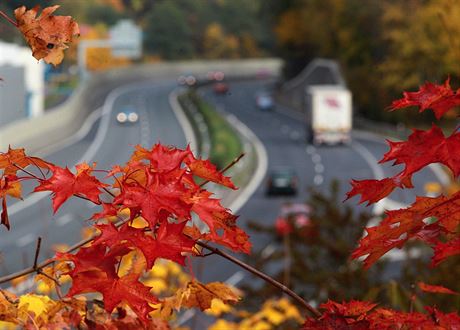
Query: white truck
(329, 114)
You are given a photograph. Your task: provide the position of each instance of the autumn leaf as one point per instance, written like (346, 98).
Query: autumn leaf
(46, 34)
(401, 225)
(208, 171)
(439, 98)
(9, 186)
(65, 184)
(445, 250)
(199, 295)
(15, 159)
(435, 288)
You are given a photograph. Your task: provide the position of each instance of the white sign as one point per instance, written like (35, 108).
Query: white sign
(126, 39)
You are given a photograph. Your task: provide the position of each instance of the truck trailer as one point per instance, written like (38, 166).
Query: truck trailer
(329, 114)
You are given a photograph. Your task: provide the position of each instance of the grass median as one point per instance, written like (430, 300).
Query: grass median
(224, 140)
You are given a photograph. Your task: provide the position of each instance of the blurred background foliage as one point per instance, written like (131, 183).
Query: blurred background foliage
(383, 46)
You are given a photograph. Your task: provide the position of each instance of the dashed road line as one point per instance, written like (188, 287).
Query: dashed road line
(64, 219)
(25, 240)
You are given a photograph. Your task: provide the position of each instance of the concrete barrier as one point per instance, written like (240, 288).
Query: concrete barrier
(64, 120)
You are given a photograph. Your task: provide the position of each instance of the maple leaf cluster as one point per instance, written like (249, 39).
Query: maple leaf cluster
(434, 220)
(362, 315)
(158, 189)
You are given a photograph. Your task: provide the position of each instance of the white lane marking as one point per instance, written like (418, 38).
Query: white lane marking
(319, 168)
(318, 179)
(261, 168)
(310, 150)
(25, 240)
(183, 120)
(268, 251)
(235, 278)
(64, 219)
(316, 158)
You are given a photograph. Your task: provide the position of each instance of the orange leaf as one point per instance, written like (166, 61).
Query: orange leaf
(435, 288)
(46, 34)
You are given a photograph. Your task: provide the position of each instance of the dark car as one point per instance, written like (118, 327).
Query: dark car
(282, 182)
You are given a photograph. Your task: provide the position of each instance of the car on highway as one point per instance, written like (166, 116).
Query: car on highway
(220, 87)
(282, 181)
(127, 115)
(264, 101)
(187, 79)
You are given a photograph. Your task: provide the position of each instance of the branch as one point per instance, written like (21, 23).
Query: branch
(264, 277)
(5, 16)
(48, 262)
(37, 252)
(236, 160)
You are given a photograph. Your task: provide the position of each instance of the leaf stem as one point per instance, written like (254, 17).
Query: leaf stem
(5, 16)
(37, 252)
(265, 277)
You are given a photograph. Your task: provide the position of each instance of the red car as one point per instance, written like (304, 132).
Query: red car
(220, 88)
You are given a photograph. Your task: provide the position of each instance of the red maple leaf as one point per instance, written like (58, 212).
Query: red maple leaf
(218, 219)
(116, 290)
(65, 184)
(162, 158)
(154, 197)
(422, 148)
(401, 225)
(169, 243)
(439, 98)
(444, 250)
(435, 288)
(208, 171)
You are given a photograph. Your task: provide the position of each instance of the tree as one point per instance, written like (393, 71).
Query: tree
(170, 41)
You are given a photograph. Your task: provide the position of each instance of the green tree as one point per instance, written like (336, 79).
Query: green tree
(167, 32)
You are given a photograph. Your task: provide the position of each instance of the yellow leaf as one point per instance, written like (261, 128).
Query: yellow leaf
(274, 316)
(222, 324)
(201, 295)
(34, 303)
(218, 307)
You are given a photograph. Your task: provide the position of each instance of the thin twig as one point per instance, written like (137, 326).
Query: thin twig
(5, 16)
(37, 251)
(263, 276)
(27, 172)
(236, 160)
(109, 192)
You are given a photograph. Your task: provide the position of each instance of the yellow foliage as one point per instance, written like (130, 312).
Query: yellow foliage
(34, 303)
(222, 324)
(218, 307)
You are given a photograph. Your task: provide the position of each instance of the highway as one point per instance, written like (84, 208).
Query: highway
(109, 142)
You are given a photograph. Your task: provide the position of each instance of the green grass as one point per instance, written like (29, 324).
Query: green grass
(225, 143)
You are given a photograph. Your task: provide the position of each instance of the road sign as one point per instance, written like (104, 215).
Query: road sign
(126, 39)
